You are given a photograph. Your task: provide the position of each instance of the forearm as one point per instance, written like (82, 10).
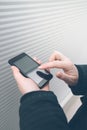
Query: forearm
(40, 111)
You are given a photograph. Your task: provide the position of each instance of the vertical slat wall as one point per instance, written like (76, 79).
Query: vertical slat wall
(34, 27)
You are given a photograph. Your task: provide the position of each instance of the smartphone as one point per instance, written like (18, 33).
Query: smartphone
(29, 68)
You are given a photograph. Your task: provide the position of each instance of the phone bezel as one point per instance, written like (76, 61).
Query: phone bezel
(18, 57)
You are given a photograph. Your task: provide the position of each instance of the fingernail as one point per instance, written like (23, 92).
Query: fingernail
(40, 67)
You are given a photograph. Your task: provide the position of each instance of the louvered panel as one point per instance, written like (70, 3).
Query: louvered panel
(37, 28)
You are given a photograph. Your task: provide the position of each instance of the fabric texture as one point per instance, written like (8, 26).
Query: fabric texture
(79, 120)
(40, 111)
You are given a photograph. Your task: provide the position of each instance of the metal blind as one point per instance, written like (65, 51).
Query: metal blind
(34, 27)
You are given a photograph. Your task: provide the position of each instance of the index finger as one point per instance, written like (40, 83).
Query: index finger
(56, 56)
(53, 64)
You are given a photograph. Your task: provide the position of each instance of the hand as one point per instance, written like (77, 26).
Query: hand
(58, 60)
(26, 85)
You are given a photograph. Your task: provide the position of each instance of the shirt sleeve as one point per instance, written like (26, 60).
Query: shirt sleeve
(40, 110)
(81, 87)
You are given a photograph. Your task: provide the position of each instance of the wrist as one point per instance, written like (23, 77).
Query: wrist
(36, 95)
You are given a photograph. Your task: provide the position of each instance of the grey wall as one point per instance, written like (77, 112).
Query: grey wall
(38, 28)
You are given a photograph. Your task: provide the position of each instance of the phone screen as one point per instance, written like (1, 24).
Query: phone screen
(26, 64)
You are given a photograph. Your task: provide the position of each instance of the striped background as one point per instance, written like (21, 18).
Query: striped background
(37, 28)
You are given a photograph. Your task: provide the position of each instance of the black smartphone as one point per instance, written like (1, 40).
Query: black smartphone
(29, 68)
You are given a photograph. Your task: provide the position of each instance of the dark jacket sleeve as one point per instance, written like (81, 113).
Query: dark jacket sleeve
(81, 87)
(40, 111)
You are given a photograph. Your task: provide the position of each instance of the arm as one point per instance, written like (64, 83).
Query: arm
(39, 109)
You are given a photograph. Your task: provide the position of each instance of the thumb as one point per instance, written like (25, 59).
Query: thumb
(17, 75)
(14, 69)
(64, 77)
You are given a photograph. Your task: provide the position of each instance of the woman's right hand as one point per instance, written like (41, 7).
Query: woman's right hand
(58, 60)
